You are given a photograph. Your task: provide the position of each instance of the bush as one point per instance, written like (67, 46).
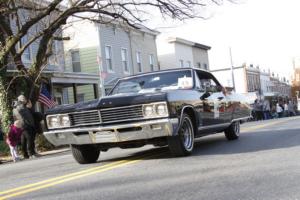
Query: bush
(4, 149)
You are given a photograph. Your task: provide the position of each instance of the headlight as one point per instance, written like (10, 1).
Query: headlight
(58, 121)
(53, 122)
(148, 111)
(65, 121)
(161, 109)
(155, 110)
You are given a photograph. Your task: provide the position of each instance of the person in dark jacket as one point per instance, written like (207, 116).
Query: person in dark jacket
(22, 113)
(37, 117)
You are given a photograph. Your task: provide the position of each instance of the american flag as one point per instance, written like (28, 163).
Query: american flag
(45, 97)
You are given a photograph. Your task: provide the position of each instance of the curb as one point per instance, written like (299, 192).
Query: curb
(7, 159)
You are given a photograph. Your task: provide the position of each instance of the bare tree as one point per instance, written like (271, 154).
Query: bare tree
(41, 21)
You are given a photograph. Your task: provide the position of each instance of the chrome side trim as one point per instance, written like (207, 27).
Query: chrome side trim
(182, 111)
(214, 126)
(239, 119)
(181, 115)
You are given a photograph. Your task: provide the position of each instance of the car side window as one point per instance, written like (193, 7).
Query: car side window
(207, 82)
(198, 85)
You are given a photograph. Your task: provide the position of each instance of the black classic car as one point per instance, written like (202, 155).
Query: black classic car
(171, 107)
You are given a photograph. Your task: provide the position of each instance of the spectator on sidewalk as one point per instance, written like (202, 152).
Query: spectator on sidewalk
(22, 113)
(279, 110)
(266, 109)
(274, 114)
(14, 138)
(286, 109)
(291, 109)
(258, 110)
(37, 117)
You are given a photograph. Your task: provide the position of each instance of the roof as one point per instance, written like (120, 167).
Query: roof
(123, 25)
(166, 70)
(188, 43)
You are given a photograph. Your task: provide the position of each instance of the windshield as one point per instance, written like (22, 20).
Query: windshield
(155, 82)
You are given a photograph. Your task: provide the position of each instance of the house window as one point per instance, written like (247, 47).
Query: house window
(188, 63)
(198, 64)
(181, 63)
(151, 62)
(27, 53)
(58, 100)
(53, 58)
(80, 97)
(205, 66)
(138, 61)
(76, 61)
(108, 58)
(124, 59)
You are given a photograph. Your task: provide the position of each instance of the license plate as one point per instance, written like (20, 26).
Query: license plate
(104, 136)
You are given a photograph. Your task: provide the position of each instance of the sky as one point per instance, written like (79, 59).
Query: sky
(265, 33)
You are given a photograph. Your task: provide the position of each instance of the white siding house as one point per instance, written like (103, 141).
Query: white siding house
(177, 52)
(117, 50)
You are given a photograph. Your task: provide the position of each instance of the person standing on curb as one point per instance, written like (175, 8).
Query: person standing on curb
(279, 110)
(291, 108)
(14, 138)
(266, 109)
(37, 117)
(22, 113)
(286, 109)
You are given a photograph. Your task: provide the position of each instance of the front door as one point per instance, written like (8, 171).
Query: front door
(214, 112)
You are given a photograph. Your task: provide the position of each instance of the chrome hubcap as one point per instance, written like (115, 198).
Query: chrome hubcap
(187, 134)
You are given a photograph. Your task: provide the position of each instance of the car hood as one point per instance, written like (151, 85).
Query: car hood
(110, 102)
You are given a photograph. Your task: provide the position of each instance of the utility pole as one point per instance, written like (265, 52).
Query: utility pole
(232, 72)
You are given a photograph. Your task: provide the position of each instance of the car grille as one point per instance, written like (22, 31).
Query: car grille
(85, 118)
(118, 114)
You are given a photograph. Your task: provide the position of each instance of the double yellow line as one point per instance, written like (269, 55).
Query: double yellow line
(69, 177)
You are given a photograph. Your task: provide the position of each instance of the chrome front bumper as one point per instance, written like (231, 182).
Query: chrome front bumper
(114, 133)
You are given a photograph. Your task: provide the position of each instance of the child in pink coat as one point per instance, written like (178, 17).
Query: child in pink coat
(14, 138)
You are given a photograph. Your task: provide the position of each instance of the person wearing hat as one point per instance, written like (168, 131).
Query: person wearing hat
(24, 115)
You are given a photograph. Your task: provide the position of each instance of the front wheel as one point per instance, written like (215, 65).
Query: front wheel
(85, 154)
(233, 131)
(183, 143)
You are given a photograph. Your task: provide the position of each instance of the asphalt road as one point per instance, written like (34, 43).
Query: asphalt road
(263, 164)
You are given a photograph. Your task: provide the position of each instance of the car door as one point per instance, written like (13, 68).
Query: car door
(213, 100)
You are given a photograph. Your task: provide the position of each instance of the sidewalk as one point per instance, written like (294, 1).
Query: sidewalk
(7, 159)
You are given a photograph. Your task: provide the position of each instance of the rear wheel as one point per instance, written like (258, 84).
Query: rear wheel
(183, 143)
(233, 131)
(85, 154)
